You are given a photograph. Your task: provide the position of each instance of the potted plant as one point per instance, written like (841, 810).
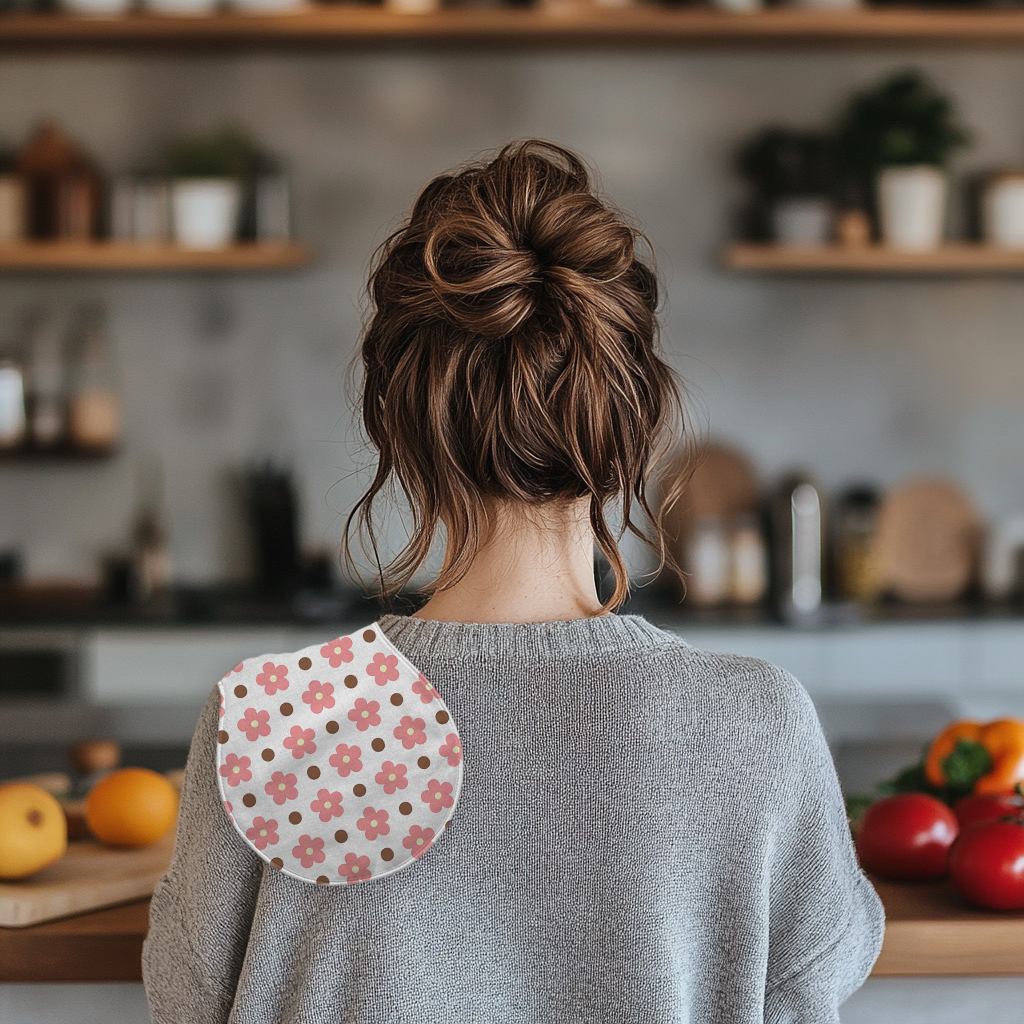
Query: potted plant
(207, 173)
(897, 138)
(792, 174)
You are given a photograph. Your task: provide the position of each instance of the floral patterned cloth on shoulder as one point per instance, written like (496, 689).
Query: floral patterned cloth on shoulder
(338, 763)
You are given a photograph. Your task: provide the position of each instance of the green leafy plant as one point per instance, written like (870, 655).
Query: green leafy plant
(228, 152)
(903, 121)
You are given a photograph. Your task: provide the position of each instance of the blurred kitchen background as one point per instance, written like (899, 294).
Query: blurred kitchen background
(132, 562)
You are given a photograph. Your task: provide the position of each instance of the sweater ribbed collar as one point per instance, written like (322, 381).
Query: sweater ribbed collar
(624, 634)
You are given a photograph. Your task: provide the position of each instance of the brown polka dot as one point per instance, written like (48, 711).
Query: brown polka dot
(447, 823)
(295, 817)
(340, 836)
(305, 663)
(351, 682)
(267, 755)
(248, 799)
(387, 853)
(405, 807)
(222, 737)
(424, 762)
(359, 789)
(313, 772)
(278, 863)
(442, 717)
(240, 690)
(396, 699)
(378, 744)
(332, 727)
(321, 879)
(369, 636)
(286, 709)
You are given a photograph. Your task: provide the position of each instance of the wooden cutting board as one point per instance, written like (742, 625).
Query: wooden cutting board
(90, 875)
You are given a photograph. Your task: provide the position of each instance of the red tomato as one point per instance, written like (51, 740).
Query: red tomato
(906, 837)
(972, 809)
(987, 864)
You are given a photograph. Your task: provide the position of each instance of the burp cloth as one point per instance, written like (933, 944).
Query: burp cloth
(338, 763)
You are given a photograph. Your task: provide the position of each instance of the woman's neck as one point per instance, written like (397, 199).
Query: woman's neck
(536, 568)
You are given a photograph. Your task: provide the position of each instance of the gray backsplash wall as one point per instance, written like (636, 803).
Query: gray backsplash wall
(851, 378)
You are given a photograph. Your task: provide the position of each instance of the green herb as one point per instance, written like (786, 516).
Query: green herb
(903, 121)
(226, 153)
(965, 764)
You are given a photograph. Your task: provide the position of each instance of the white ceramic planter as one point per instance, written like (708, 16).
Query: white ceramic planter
(802, 222)
(1003, 212)
(97, 8)
(912, 206)
(181, 6)
(204, 212)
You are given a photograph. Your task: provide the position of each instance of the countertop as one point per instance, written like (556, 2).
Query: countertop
(929, 931)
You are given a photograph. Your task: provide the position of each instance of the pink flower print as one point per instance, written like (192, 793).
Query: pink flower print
(300, 742)
(254, 724)
(227, 807)
(281, 787)
(273, 678)
(392, 776)
(419, 840)
(238, 667)
(346, 759)
(364, 714)
(383, 668)
(411, 732)
(263, 832)
(236, 769)
(355, 869)
(327, 805)
(452, 749)
(373, 823)
(438, 795)
(337, 651)
(310, 851)
(319, 696)
(424, 688)
(222, 705)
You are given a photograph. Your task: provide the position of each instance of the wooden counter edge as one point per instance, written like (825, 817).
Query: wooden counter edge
(105, 945)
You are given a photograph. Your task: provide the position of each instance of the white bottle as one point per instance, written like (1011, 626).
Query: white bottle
(708, 562)
(12, 405)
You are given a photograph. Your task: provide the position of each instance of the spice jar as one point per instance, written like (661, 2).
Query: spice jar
(1003, 210)
(94, 409)
(708, 561)
(748, 581)
(46, 397)
(856, 557)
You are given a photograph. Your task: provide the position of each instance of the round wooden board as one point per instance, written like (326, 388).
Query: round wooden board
(928, 540)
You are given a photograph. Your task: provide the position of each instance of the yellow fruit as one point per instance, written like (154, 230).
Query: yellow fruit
(131, 807)
(33, 830)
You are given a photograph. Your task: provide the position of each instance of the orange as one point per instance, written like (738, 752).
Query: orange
(131, 807)
(33, 830)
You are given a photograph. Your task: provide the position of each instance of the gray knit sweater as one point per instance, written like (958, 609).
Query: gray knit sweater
(647, 833)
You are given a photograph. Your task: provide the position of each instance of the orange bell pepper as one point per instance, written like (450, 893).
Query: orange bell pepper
(1002, 738)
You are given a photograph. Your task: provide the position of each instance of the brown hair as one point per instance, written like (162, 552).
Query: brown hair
(510, 353)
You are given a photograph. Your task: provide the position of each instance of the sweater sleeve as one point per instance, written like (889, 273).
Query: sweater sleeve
(826, 922)
(202, 909)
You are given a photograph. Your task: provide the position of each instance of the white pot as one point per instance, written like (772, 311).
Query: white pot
(100, 8)
(181, 6)
(802, 222)
(1003, 212)
(267, 6)
(912, 206)
(205, 212)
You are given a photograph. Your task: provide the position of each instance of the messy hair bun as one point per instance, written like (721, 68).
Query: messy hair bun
(511, 353)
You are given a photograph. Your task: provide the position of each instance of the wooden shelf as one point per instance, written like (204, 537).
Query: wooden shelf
(954, 258)
(930, 930)
(130, 256)
(566, 23)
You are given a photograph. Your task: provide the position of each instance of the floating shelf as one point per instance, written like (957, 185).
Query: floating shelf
(58, 453)
(569, 22)
(954, 258)
(131, 256)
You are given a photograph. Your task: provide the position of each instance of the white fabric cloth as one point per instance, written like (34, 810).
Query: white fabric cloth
(338, 763)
